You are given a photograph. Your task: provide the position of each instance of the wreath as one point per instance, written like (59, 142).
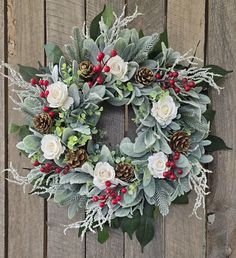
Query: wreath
(126, 186)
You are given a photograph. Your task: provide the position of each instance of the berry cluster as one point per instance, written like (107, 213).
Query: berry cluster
(51, 167)
(46, 109)
(171, 173)
(109, 194)
(101, 68)
(173, 81)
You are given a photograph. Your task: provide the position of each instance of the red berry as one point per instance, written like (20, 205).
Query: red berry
(176, 157)
(95, 198)
(172, 176)
(36, 163)
(42, 169)
(66, 169)
(177, 90)
(163, 87)
(90, 84)
(33, 81)
(166, 173)
(172, 82)
(97, 68)
(58, 170)
(124, 190)
(180, 171)
(172, 164)
(45, 83)
(100, 56)
(42, 94)
(168, 163)
(170, 74)
(46, 93)
(184, 80)
(108, 183)
(113, 53)
(102, 204)
(46, 109)
(187, 88)
(51, 114)
(48, 165)
(114, 201)
(118, 198)
(158, 76)
(102, 197)
(175, 74)
(108, 190)
(106, 69)
(191, 84)
(177, 153)
(99, 80)
(113, 194)
(41, 82)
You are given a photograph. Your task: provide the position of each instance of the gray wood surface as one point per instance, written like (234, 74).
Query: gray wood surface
(34, 227)
(221, 50)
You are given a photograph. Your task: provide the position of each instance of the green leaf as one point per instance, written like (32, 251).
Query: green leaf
(210, 115)
(140, 33)
(216, 144)
(108, 15)
(13, 128)
(115, 223)
(53, 53)
(28, 72)
(158, 48)
(145, 231)
(218, 70)
(103, 235)
(24, 131)
(183, 199)
(130, 225)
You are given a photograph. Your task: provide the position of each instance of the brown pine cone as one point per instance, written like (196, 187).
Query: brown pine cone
(86, 69)
(124, 172)
(76, 158)
(144, 76)
(180, 141)
(42, 122)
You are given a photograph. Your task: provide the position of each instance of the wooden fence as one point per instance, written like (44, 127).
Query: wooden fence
(30, 227)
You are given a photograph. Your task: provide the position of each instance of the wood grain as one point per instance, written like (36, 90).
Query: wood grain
(184, 236)
(112, 122)
(26, 213)
(221, 208)
(3, 118)
(61, 17)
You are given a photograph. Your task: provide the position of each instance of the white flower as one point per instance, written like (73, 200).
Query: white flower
(157, 164)
(51, 147)
(118, 67)
(103, 172)
(58, 96)
(164, 111)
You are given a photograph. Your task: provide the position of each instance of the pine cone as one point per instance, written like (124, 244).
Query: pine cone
(76, 158)
(42, 122)
(144, 76)
(124, 172)
(180, 141)
(86, 69)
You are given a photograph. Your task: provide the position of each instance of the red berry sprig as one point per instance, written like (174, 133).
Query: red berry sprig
(112, 195)
(172, 168)
(49, 167)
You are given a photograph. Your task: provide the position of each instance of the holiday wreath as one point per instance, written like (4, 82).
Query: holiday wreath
(124, 187)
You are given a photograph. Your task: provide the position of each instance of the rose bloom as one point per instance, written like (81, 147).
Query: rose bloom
(51, 146)
(118, 67)
(157, 164)
(164, 111)
(103, 172)
(58, 96)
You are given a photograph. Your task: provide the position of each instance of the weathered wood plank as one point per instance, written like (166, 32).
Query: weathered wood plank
(61, 17)
(26, 213)
(113, 123)
(221, 50)
(2, 134)
(184, 236)
(153, 20)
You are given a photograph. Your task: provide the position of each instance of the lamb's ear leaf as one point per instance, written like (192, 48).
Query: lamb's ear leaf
(216, 144)
(103, 235)
(53, 52)
(28, 72)
(158, 48)
(218, 70)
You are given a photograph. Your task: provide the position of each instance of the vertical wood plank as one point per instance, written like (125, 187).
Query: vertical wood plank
(113, 123)
(184, 236)
(153, 20)
(26, 213)
(221, 50)
(3, 121)
(61, 17)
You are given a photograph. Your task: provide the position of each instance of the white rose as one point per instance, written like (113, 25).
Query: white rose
(103, 172)
(51, 147)
(157, 164)
(58, 96)
(164, 111)
(118, 67)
